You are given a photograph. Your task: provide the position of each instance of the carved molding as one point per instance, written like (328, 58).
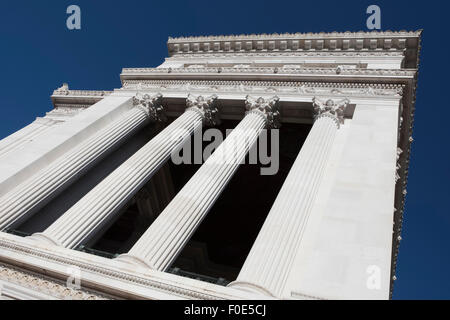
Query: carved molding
(105, 271)
(127, 72)
(356, 54)
(72, 106)
(300, 34)
(269, 108)
(207, 106)
(397, 175)
(260, 87)
(331, 109)
(45, 285)
(315, 42)
(65, 91)
(152, 105)
(64, 98)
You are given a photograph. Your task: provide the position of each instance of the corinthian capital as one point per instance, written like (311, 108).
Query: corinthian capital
(267, 107)
(331, 109)
(152, 105)
(207, 106)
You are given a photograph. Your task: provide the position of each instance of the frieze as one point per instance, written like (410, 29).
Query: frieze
(270, 70)
(261, 87)
(357, 54)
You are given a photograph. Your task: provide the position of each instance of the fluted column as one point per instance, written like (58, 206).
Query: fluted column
(166, 237)
(269, 263)
(34, 193)
(100, 205)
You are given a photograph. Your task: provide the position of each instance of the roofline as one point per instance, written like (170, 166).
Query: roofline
(299, 35)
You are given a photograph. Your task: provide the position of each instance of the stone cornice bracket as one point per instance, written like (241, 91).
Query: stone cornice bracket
(208, 107)
(152, 105)
(269, 108)
(63, 90)
(331, 109)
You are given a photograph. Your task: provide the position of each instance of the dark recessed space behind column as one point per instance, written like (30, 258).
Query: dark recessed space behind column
(220, 245)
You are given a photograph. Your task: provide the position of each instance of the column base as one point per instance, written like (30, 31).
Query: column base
(129, 259)
(43, 239)
(250, 287)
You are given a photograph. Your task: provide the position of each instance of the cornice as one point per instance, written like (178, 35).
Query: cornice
(63, 97)
(403, 161)
(346, 34)
(319, 54)
(66, 106)
(271, 70)
(267, 87)
(271, 74)
(293, 42)
(316, 84)
(65, 91)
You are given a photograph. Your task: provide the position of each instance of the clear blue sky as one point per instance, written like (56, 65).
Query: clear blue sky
(38, 53)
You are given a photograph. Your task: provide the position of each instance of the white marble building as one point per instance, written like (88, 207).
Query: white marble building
(92, 208)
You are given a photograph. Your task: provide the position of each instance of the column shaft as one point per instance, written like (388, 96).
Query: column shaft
(34, 193)
(100, 205)
(269, 263)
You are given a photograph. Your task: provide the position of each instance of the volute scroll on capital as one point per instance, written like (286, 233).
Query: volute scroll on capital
(269, 108)
(207, 106)
(330, 109)
(152, 105)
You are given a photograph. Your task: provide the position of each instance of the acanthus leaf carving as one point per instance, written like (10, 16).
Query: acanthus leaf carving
(331, 109)
(268, 107)
(207, 106)
(152, 105)
(256, 87)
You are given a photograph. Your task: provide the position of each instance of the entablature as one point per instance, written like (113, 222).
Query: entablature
(362, 59)
(64, 98)
(334, 41)
(295, 97)
(287, 73)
